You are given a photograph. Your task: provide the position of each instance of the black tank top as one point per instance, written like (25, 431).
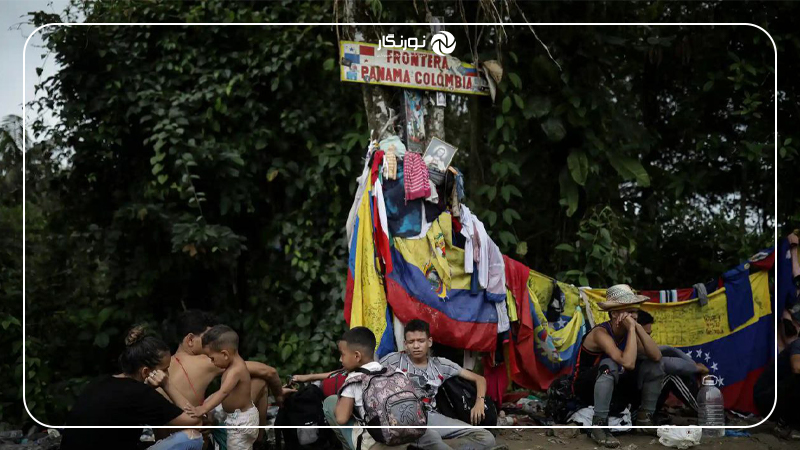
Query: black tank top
(588, 358)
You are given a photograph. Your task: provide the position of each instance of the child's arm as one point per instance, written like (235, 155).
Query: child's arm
(312, 377)
(477, 414)
(185, 420)
(229, 382)
(269, 375)
(344, 410)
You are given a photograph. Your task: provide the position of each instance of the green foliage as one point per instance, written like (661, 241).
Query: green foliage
(601, 253)
(207, 170)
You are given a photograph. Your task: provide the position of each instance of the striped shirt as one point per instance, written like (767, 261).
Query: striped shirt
(426, 379)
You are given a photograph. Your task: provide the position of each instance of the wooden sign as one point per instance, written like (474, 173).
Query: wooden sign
(413, 69)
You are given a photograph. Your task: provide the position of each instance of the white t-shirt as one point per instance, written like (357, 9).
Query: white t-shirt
(355, 391)
(426, 380)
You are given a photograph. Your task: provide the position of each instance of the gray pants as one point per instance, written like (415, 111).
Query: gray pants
(469, 438)
(649, 376)
(473, 438)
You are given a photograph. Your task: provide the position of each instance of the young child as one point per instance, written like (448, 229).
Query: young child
(357, 348)
(221, 345)
(428, 373)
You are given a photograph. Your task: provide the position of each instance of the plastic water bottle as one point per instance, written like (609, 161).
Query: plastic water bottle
(712, 408)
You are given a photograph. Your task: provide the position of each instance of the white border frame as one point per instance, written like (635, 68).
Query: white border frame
(24, 138)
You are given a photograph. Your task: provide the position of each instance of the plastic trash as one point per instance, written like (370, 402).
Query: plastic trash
(736, 433)
(147, 435)
(12, 434)
(679, 437)
(711, 411)
(620, 424)
(531, 405)
(504, 421)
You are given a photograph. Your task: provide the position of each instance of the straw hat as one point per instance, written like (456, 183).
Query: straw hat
(621, 296)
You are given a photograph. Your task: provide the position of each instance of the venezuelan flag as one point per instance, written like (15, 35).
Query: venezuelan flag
(540, 351)
(735, 356)
(365, 298)
(427, 281)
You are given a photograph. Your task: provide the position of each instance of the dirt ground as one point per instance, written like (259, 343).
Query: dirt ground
(538, 439)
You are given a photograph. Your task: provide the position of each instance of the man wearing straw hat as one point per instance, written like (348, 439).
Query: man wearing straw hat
(618, 364)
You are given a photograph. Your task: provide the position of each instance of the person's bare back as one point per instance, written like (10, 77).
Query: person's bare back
(239, 396)
(191, 375)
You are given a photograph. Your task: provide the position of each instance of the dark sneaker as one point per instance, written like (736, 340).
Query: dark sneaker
(645, 419)
(603, 436)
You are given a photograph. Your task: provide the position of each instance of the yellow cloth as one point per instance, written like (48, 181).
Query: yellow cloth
(553, 342)
(511, 305)
(369, 296)
(685, 324)
(542, 285)
(436, 249)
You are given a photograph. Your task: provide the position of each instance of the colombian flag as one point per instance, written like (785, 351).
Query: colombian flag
(427, 281)
(735, 356)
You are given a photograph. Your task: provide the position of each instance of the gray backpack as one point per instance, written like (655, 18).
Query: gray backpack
(389, 400)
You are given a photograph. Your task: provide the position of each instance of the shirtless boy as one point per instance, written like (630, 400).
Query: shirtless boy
(221, 345)
(192, 371)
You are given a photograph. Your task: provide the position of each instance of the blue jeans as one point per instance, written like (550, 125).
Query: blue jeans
(180, 441)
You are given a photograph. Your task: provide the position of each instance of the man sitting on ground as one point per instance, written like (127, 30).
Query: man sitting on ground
(682, 374)
(618, 362)
(428, 373)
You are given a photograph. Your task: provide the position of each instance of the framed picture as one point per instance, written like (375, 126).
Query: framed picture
(440, 150)
(415, 120)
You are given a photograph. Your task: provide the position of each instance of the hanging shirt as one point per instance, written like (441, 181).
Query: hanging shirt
(739, 294)
(404, 218)
(416, 177)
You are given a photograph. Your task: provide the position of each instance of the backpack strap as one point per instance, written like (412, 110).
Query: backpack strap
(370, 372)
(356, 379)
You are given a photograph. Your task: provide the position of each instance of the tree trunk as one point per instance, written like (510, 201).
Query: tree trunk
(376, 99)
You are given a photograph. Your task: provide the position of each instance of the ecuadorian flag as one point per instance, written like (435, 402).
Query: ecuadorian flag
(427, 281)
(735, 356)
(542, 351)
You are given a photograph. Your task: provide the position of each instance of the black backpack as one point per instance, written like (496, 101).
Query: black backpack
(561, 402)
(304, 408)
(456, 397)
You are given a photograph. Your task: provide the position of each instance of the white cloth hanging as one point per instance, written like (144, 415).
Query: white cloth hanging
(503, 322)
(362, 182)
